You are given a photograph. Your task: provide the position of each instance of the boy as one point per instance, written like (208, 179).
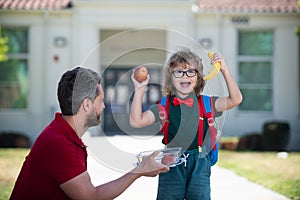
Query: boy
(183, 80)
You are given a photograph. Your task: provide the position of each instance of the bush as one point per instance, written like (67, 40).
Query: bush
(252, 142)
(276, 135)
(14, 140)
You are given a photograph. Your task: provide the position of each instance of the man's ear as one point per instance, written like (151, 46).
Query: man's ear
(86, 104)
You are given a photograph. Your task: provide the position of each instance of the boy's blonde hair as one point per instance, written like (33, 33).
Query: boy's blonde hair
(183, 58)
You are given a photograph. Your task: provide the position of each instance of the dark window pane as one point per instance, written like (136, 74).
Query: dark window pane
(256, 99)
(13, 84)
(256, 43)
(255, 72)
(17, 39)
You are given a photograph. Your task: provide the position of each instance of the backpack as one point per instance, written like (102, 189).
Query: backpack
(205, 105)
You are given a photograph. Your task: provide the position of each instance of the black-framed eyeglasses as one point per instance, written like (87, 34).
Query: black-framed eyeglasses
(188, 73)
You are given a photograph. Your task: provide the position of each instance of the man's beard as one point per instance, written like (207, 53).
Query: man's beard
(92, 119)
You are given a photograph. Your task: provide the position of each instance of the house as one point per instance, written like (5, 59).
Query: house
(46, 38)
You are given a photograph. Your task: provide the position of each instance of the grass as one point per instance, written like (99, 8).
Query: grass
(11, 161)
(280, 175)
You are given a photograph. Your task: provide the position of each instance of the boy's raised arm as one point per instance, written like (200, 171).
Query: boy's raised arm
(234, 97)
(137, 118)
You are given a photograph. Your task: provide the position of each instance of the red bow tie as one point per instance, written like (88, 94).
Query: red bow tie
(188, 101)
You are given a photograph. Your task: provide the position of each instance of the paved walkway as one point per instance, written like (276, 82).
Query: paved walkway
(225, 184)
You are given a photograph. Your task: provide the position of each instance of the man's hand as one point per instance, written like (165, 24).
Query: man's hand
(149, 167)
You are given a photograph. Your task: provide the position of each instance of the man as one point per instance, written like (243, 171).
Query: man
(56, 167)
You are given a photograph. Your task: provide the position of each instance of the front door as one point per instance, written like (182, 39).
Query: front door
(119, 91)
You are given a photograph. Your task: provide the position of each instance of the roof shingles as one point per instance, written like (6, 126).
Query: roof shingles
(271, 6)
(35, 4)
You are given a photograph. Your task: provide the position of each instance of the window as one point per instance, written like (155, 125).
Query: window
(14, 71)
(255, 67)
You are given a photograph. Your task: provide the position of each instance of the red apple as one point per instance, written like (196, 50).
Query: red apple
(167, 159)
(140, 73)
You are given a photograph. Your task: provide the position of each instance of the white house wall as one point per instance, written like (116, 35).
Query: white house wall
(55, 60)
(219, 28)
(82, 25)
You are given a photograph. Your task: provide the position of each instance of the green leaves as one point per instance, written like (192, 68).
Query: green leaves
(3, 47)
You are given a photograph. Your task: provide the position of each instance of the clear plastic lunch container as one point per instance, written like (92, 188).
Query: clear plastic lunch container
(169, 156)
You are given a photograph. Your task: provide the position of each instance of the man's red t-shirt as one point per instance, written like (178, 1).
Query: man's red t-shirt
(57, 156)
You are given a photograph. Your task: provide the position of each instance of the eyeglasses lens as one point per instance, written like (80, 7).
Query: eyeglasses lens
(188, 73)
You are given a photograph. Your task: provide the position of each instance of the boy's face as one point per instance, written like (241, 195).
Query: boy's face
(184, 80)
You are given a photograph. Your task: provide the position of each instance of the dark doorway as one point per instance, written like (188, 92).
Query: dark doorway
(119, 91)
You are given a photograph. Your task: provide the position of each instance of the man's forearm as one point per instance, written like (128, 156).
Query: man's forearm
(116, 187)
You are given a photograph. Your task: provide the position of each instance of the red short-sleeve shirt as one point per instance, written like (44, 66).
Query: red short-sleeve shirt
(57, 156)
